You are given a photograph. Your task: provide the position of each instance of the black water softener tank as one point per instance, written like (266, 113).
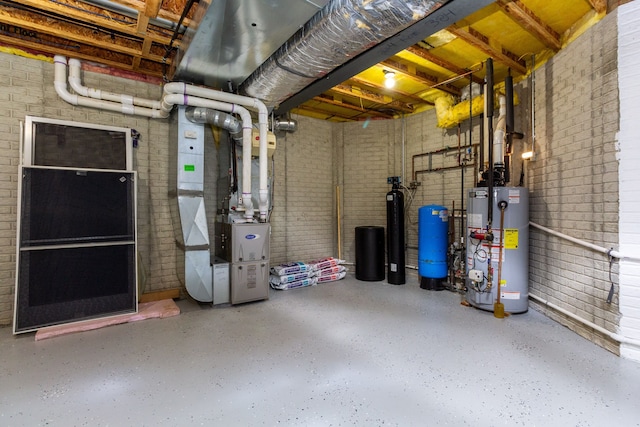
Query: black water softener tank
(395, 234)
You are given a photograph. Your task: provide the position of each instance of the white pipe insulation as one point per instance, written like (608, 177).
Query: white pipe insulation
(178, 94)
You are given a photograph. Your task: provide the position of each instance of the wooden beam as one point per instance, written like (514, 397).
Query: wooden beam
(425, 54)
(322, 114)
(528, 20)
(90, 16)
(599, 6)
(358, 81)
(331, 101)
(490, 47)
(143, 23)
(419, 76)
(152, 7)
(361, 93)
(160, 295)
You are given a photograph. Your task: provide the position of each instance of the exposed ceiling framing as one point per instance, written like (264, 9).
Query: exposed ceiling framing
(138, 36)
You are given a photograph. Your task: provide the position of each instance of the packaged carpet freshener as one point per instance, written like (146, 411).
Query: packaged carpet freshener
(331, 277)
(287, 278)
(330, 270)
(325, 263)
(291, 267)
(311, 281)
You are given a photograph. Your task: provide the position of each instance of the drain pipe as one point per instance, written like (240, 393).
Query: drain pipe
(263, 120)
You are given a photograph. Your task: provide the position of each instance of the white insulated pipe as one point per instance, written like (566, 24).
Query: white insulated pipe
(263, 117)
(126, 100)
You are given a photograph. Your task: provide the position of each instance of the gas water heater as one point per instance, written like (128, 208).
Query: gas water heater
(498, 256)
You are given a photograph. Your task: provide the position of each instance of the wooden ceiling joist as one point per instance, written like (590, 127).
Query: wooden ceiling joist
(490, 47)
(367, 95)
(327, 100)
(524, 17)
(426, 55)
(599, 6)
(420, 76)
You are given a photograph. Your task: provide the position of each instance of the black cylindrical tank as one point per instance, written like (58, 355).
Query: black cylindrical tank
(370, 253)
(395, 237)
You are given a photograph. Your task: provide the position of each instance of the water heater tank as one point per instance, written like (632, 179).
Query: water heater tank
(483, 256)
(433, 228)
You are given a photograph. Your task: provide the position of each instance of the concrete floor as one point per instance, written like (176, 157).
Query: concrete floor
(339, 354)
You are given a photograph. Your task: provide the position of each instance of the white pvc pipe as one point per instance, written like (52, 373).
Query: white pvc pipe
(499, 133)
(251, 103)
(617, 337)
(60, 84)
(610, 252)
(177, 99)
(76, 84)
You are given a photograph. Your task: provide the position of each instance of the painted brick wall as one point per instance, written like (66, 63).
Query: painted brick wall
(26, 88)
(629, 225)
(574, 179)
(303, 221)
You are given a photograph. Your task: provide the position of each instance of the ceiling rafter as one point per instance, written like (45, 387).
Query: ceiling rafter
(528, 20)
(325, 99)
(419, 76)
(426, 55)
(490, 47)
(599, 6)
(358, 81)
(370, 96)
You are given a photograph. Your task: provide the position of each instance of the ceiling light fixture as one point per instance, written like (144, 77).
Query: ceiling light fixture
(389, 79)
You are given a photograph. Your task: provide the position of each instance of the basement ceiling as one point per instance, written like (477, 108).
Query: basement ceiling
(435, 57)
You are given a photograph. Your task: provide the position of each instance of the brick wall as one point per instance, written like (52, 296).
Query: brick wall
(629, 156)
(26, 88)
(303, 221)
(574, 180)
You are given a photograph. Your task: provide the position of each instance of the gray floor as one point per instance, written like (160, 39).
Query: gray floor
(338, 354)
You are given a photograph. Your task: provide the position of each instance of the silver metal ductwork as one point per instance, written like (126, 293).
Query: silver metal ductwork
(286, 52)
(339, 32)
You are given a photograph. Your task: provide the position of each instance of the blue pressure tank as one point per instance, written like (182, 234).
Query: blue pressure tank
(433, 228)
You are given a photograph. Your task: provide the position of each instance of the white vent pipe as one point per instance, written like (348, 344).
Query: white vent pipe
(245, 116)
(60, 84)
(126, 100)
(184, 95)
(263, 117)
